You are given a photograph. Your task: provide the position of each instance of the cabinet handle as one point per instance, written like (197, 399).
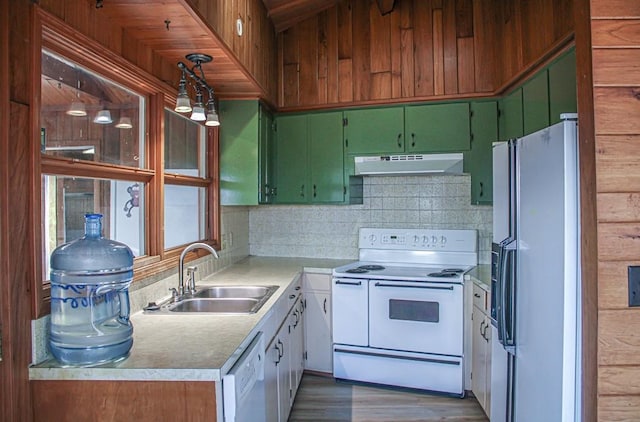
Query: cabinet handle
(481, 189)
(484, 333)
(324, 305)
(314, 191)
(280, 351)
(481, 325)
(413, 139)
(297, 287)
(399, 137)
(476, 295)
(302, 191)
(292, 296)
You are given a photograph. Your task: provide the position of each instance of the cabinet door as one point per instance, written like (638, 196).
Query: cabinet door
(291, 163)
(239, 153)
(535, 103)
(317, 326)
(479, 357)
(437, 128)
(478, 161)
(284, 374)
(326, 157)
(272, 363)
(510, 118)
(350, 313)
(374, 131)
(267, 156)
(562, 87)
(297, 347)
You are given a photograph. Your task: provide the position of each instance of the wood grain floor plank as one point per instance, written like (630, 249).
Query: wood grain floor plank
(323, 399)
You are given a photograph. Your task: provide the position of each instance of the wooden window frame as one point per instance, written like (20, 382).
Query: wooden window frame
(54, 35)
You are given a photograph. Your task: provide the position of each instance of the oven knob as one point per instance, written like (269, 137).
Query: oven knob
(372, 238)
(434, 239)
(425, 239)
(416, 239)
(443, 240)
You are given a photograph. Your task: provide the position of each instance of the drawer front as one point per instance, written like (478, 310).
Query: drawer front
(480, 298)
(317, 282)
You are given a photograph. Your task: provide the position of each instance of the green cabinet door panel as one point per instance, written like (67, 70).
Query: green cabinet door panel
(478, 160)
(535, 103)
(437, 128)
(562, 87)
(267, 154)
(374, 131)
(291, 161)
(510, 121)
(326, 157)
(239, 152)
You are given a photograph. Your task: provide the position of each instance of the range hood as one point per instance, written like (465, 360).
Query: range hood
(409, 164)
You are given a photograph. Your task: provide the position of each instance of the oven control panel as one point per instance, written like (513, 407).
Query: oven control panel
(419, 239)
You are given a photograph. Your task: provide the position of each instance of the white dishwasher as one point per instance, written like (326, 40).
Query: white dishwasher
(243, 386)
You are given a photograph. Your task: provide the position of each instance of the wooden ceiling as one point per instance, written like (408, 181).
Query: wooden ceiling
(173, 30)
(286, 13)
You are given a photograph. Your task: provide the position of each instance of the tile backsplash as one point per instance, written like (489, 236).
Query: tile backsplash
(330, 231)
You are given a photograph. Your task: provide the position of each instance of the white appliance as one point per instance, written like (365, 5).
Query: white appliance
(398, 314)
(243, 388)
(409, 164)
(535, 372)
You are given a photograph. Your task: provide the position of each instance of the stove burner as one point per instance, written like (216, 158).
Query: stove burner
(445, 274)
(357, 271)
(371, 267)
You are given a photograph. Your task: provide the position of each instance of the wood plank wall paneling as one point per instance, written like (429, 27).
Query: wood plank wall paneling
(422, 50)
(615, 25)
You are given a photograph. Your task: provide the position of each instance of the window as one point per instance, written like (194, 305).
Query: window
(102, 149)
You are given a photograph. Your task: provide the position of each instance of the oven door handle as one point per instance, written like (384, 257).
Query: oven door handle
(415, 287)
(350, 283)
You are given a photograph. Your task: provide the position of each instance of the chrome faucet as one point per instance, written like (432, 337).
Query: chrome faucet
(181, 288)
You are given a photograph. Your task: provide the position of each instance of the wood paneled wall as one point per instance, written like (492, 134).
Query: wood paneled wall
(256, 47)
(615, 31)
(424, 50)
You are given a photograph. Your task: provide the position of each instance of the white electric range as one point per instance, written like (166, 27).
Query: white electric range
(398, 314)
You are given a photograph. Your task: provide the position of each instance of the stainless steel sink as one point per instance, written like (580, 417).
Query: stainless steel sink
(236, 299)
(255, 292)
(227, 305)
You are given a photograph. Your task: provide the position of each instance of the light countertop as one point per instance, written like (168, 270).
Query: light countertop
(194, 347)
(481, 275)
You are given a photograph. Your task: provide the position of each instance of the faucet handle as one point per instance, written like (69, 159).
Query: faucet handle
(191, 279)
(174, 294)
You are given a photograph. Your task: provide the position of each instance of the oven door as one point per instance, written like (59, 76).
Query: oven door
(416, 316)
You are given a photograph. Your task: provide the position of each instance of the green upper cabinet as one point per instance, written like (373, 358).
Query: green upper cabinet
(562, 87)
(239, 152)
(326, 157)
(510, 122)
(478, 161)
(437, 128)
(374, 131)
(267, 155)
(535, 103)
(310, 158)
(291, 161)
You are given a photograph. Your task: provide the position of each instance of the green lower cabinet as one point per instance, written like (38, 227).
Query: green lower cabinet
(562, 87)
(378, 130)
(510, 122)
(291, 161)
(478, 161)
(535, 103)
(437, 128)
(239, 152)
(326, 157)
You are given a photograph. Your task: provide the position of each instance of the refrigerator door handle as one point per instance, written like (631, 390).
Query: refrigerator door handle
(507, 296)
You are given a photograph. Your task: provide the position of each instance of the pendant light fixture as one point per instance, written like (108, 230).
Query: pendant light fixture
(201, 87)
(77, 108)
(124, 123)
(103, 117)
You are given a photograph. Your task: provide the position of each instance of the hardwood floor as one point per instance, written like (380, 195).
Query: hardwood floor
(323, 399)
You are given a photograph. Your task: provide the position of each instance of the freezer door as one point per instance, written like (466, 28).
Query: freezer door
(547, 264)
(501, 191)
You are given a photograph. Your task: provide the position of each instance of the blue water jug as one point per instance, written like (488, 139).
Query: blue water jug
(90, 280)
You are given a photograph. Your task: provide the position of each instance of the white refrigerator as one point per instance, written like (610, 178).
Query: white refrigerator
(535, 368)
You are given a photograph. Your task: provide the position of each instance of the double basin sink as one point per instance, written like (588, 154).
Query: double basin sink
(237, 299)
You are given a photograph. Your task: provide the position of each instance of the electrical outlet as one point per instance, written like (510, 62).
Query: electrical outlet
(231, 239)
(634, 285)
(223, 240)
